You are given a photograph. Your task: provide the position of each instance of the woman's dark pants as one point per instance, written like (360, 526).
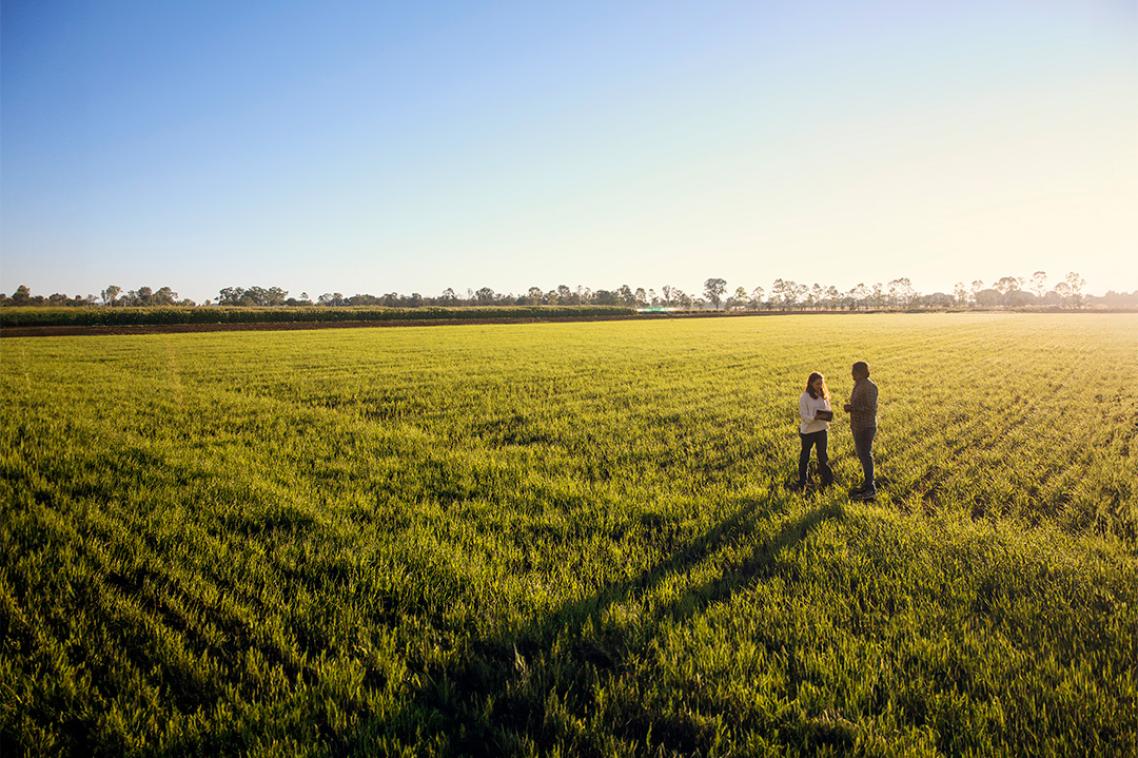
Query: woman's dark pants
(814, 439)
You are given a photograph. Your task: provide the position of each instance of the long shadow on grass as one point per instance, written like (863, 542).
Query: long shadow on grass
(499, 690)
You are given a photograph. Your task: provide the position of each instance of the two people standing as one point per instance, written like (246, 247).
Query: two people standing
(815, 414)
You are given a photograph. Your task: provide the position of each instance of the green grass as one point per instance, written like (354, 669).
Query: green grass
(570, 538)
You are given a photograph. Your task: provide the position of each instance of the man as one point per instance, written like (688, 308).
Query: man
(862, 408)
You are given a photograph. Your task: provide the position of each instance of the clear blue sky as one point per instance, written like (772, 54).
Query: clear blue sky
(372, 147)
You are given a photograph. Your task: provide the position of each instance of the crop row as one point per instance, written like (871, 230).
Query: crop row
(11, 317)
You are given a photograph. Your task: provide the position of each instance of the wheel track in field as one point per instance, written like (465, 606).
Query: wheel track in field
(1073, 449)
(205, 539)
(920, 453)
(233, 620)
(126, 583)
(126, 597)
(136, 644)
(966, 431)
(493, 668)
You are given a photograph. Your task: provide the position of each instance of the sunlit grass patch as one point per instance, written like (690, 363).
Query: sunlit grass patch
(570, 537)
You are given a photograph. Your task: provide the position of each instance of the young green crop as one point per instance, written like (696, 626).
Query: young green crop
(573, 538)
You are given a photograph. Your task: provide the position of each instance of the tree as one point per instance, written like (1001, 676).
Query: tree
(140, 296)
(1114, 299)
(817, 294)
(534, 296)
(233, 295)
(901, 291)
(641, 297)
(989, 298)
(1019, 298)
(779, 291)
(787, 292)
(935, 300)
(878, 295)
(363, 299)
(110, 294)
(1039, 283)
(1076, 284)
(757, 295)
(1006, 285)
(1063, 290)
(23, 296)
(667, 291)
(807, 296)
(832, 296)
(714, 289)
(484, 296)
(165, 296)
(961, 293)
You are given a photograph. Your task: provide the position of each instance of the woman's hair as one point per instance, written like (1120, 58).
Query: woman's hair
(810, 385)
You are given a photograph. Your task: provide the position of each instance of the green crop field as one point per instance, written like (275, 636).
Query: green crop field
(570, 538)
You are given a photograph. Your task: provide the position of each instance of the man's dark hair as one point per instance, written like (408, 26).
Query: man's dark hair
(861, 367)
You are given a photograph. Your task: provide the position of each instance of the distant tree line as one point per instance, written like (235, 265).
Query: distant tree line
(783, 294)
(112, 295)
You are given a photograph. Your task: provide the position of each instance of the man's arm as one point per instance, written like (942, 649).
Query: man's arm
(871, 398)
(864, 399)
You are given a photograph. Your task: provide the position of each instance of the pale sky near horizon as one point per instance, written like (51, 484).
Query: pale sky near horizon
(375, 147)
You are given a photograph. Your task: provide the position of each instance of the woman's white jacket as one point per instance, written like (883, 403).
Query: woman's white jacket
(808, 408)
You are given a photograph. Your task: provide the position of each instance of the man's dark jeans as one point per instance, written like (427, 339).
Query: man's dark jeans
(863, 444)
(813, 439)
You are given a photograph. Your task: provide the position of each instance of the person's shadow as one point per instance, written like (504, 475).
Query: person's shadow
(499, 687)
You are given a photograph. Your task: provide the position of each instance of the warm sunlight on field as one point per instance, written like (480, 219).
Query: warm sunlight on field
(574, 537)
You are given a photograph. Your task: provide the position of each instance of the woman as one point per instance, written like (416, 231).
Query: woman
(814, 409)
